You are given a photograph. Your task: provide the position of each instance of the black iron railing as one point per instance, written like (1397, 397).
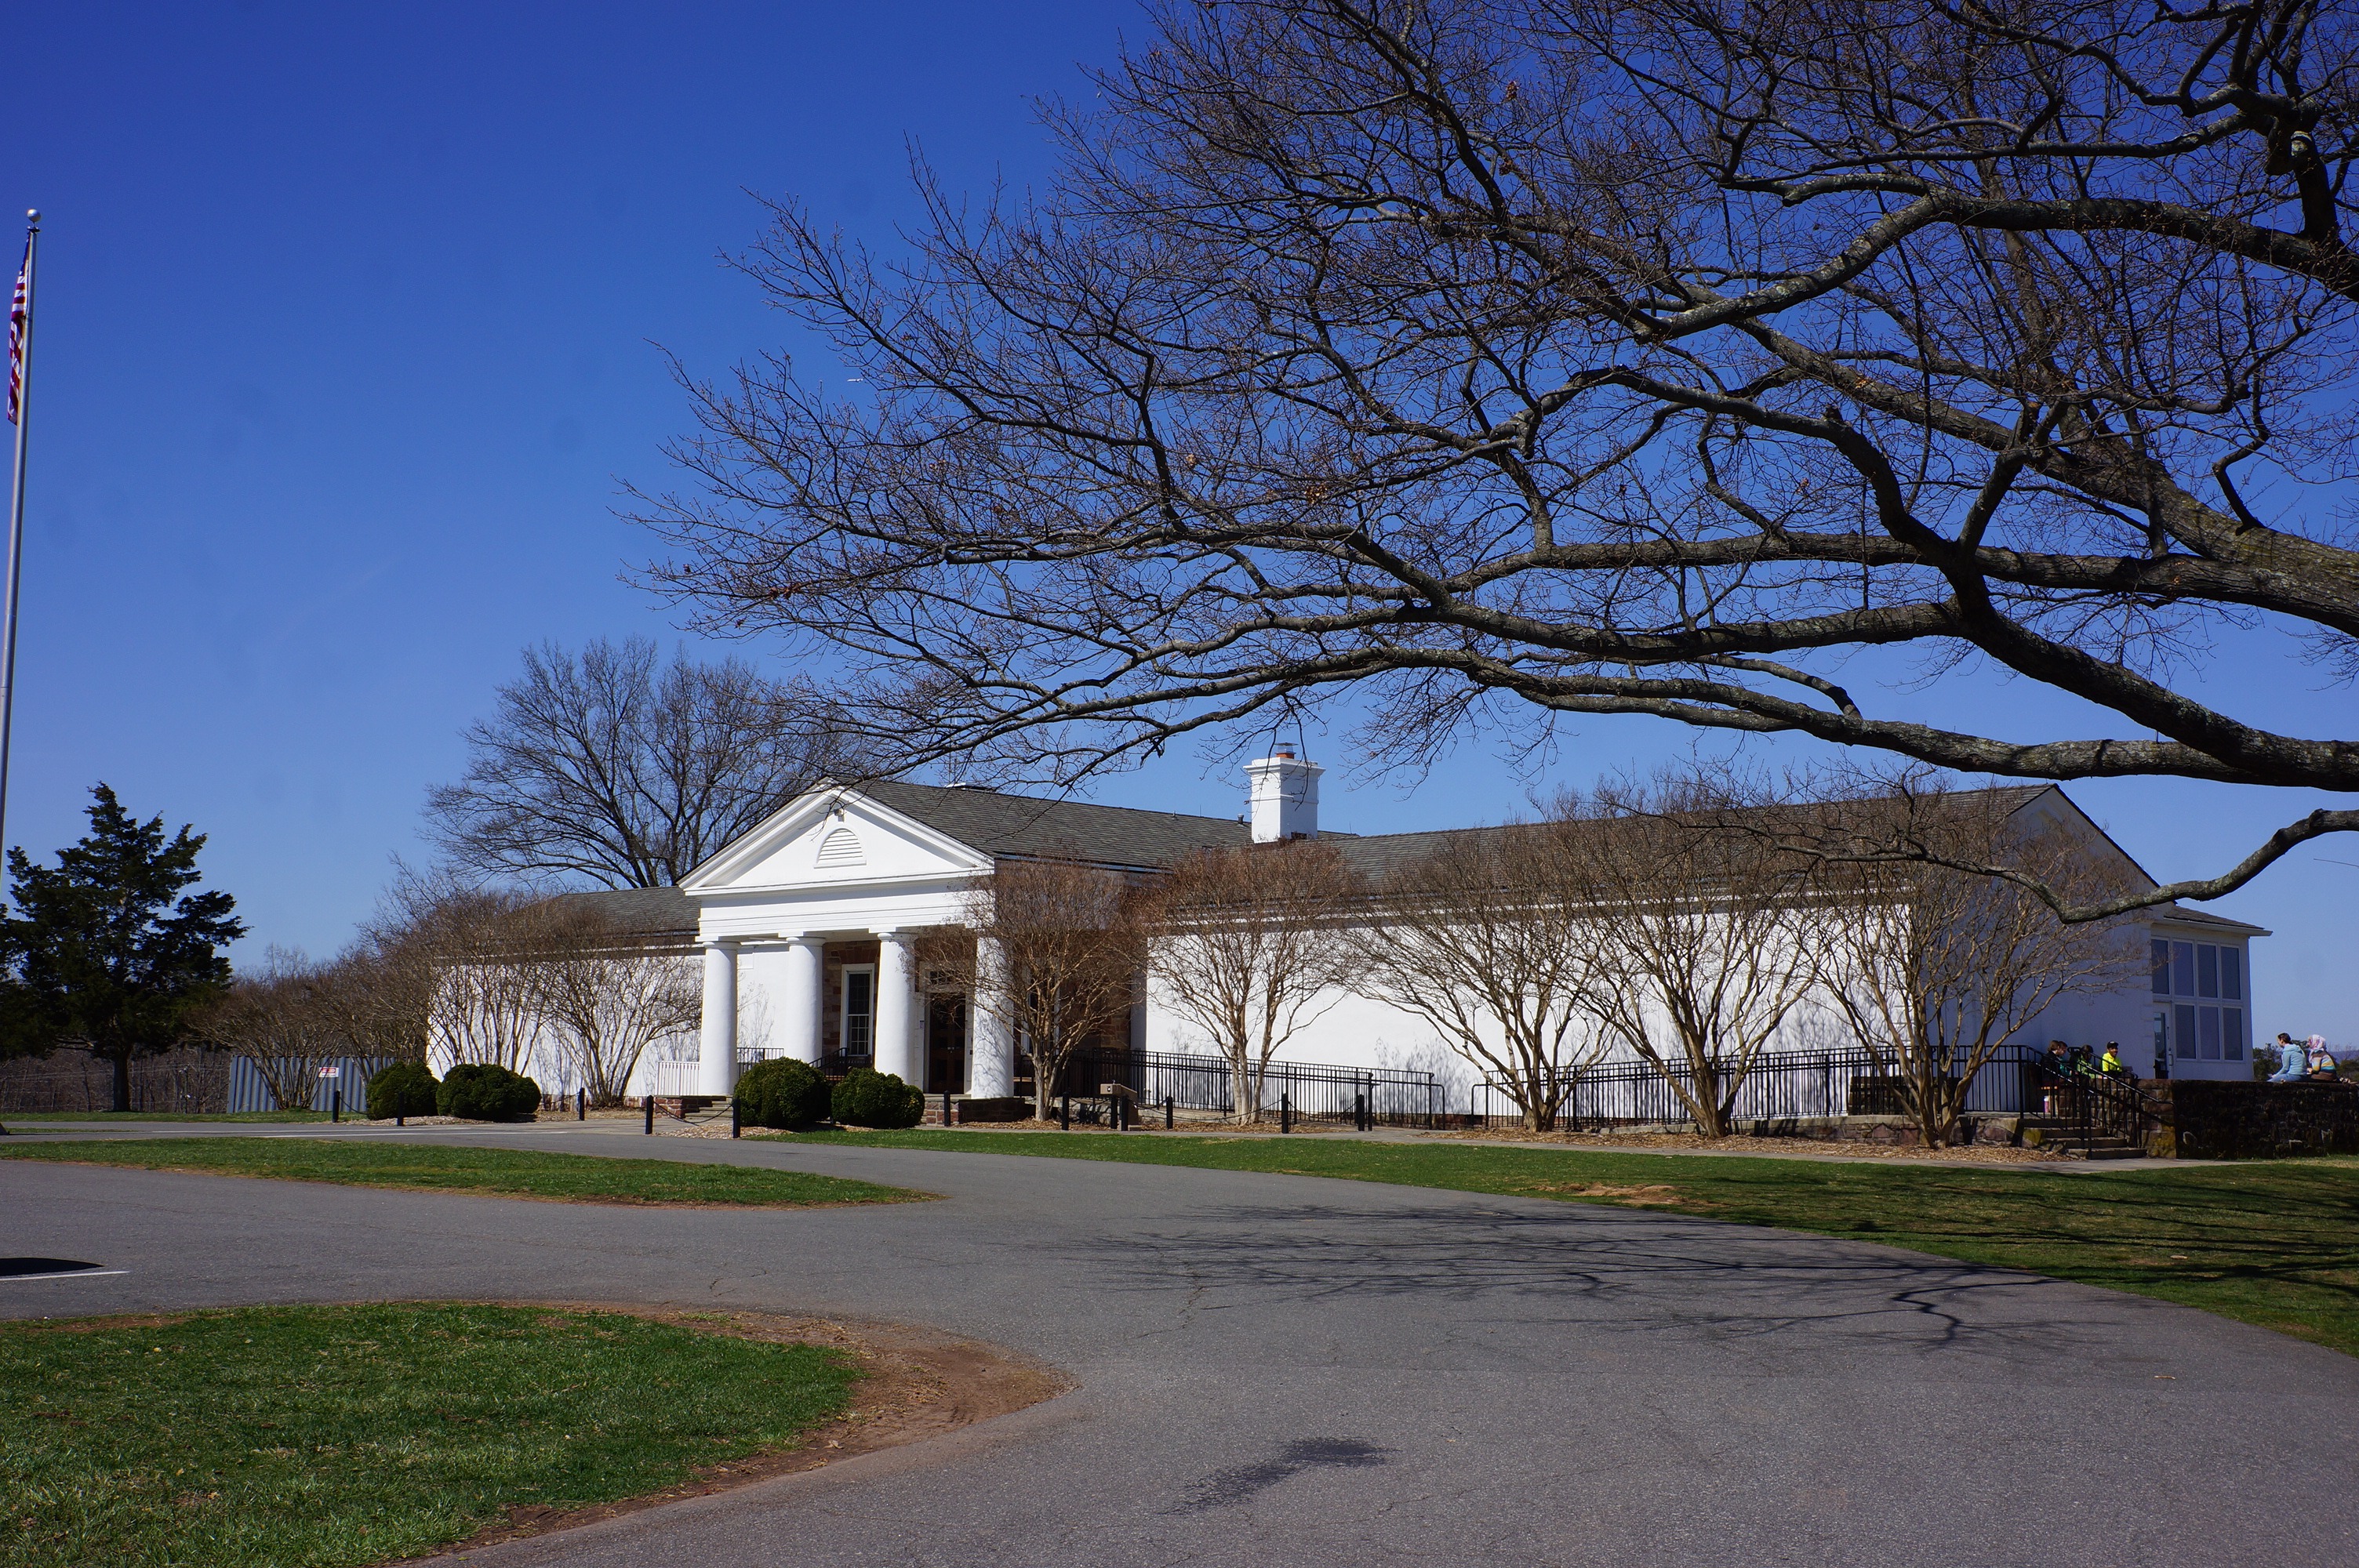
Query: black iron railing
(1310, 1091)
(2089, 1104)
(1777, 1085)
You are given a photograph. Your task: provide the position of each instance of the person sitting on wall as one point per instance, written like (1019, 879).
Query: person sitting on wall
(2110, 1066)
(2292, 1060)
(2060, 1063)
(2321, 1059)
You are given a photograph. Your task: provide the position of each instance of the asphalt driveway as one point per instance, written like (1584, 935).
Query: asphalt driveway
(1279, 1370)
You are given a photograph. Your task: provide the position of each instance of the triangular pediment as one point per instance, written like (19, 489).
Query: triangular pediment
(834, 837)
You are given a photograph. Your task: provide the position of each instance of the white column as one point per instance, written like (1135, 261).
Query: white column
(991, 1061)
(801, 1026)
(896, 1041)
(716, 1072)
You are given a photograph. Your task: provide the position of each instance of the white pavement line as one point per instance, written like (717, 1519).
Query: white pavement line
(67, 1274)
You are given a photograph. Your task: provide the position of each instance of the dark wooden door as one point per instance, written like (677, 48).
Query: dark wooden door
(946, 1044)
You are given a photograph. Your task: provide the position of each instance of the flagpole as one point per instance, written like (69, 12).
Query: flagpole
(23, 371)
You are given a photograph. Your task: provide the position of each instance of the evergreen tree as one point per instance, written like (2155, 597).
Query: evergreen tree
(109, 948)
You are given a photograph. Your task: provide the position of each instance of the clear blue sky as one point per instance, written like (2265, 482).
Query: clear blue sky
(346, 327)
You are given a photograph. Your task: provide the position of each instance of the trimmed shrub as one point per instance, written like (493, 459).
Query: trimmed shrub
(482, 1092)
(401, 1089)
(869, 1098)
(783, 1093)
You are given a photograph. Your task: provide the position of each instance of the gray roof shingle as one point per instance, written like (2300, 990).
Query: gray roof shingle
(1028, 826)
(654, 912)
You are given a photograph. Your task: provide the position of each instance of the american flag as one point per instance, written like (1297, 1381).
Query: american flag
(17, 335)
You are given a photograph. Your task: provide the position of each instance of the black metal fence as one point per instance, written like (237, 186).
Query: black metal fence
(74, 1079)
(1306, 1091)
(1779, 1085)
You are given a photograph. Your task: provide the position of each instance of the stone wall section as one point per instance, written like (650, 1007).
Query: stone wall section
(2213, 1120)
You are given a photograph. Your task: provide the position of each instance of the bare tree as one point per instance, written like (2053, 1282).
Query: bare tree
(1070, 938)
(1491, 940)
(1250, 947)
(388, 974)
(1934, 969)
(282, 1014)
(1460, 359)
(607, 995)
(455, 964)
(1705, 928)
(382, 996)
(610, 767)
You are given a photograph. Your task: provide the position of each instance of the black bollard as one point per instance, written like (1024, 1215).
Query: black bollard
(647, 1104)
(1286, 1113)
(1065, 1112)
(946, 1108)
(732, 1116)
(580, 1105)
(1359, 1113)
(335, 1104)
(1166, 1113)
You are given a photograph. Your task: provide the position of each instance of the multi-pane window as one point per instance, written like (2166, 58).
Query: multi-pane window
(859, 1012)
(2200, 1029)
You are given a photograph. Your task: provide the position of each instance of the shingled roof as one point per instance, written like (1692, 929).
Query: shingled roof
(1027, 826)
(646, 912)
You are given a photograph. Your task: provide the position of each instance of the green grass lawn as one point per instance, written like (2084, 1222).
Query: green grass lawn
(492, 1173)
(2269, 1242)
(6, 1117)
(275, 1436)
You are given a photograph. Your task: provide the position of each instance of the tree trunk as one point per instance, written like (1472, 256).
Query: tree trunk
(1709, 1120)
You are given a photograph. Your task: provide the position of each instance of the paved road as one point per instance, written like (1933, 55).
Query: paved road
(1280, 1370)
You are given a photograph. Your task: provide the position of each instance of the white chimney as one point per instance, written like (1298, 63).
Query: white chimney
(1285, 795)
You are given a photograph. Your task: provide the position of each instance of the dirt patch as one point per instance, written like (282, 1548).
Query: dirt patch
(1651, 1194)
(993, 1127)
(917, 1384)
(1688, 1143)
(95, 1325)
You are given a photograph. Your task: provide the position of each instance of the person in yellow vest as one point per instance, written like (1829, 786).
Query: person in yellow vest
(2111, 1064)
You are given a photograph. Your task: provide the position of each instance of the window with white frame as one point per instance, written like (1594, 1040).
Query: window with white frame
(2208, 1025)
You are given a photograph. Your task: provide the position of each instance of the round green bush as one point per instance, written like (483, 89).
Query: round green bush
(782, 1093)
(401, 1089)
(866, 1098)
(482, 1092)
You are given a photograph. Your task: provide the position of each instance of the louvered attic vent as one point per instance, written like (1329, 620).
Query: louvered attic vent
(840, 848)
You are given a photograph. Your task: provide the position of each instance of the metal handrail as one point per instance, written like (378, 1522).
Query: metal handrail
(2093, 1103)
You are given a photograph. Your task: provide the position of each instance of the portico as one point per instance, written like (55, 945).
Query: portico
(846, 999)
(812, 927)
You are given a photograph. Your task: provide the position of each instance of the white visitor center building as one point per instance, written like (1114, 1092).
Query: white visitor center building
(807, 931)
